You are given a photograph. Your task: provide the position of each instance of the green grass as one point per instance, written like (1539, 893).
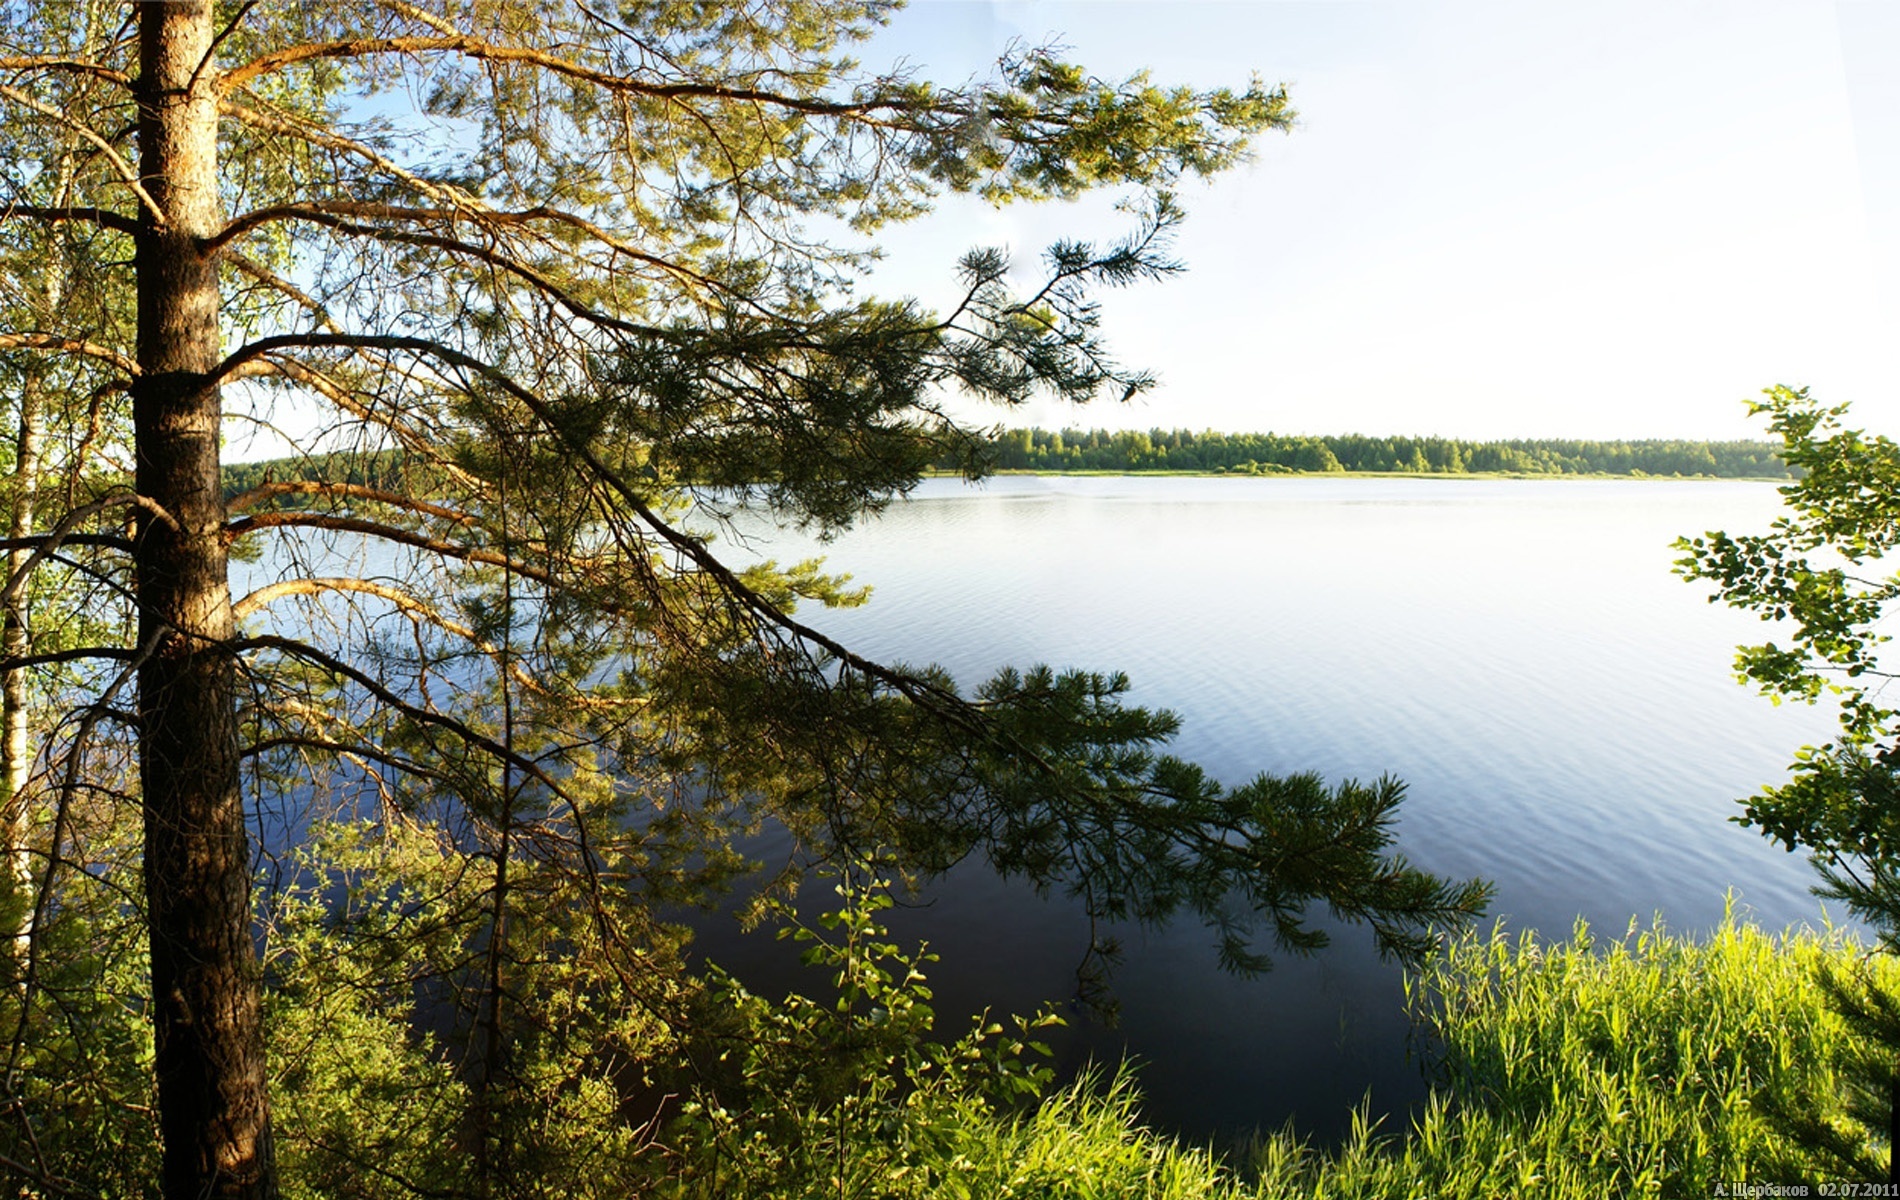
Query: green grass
(1588, 1068)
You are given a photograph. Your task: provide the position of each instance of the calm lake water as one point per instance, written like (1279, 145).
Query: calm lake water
(1561, 707)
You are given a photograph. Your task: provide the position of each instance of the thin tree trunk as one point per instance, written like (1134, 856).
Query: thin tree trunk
(15, 748)
(491, 1149)
(213, 1107)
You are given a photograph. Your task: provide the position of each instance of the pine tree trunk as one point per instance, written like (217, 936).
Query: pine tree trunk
(213, 1107)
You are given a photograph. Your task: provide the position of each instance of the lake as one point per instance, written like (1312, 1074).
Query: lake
(1561, 707)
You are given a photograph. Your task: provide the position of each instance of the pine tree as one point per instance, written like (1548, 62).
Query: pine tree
(561, 263)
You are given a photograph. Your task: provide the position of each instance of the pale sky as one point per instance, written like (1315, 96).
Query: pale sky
(1617, 218)
(1495, 218)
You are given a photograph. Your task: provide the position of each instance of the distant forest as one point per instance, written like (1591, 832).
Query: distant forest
(1218, 453)
(1280, 454)
(383, 470)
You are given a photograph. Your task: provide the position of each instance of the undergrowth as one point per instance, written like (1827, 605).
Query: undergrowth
(1635, 1066)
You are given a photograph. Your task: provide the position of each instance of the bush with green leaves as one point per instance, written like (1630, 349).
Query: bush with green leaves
(1823, 575)
(386, 1077)
(853, 1095)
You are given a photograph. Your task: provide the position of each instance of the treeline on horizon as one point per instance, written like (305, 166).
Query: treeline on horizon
(1278, 454)
(1209, 451)
(380, 470)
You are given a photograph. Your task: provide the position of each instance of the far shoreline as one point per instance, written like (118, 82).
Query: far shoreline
(1289, 473)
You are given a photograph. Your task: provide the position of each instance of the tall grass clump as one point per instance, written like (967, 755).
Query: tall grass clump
(1085, 1142)
(1646, 1065)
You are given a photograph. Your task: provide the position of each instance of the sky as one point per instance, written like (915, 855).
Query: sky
(1609, 219)
(1493, 218)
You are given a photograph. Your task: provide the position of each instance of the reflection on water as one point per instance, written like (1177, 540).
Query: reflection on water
(1560, 705)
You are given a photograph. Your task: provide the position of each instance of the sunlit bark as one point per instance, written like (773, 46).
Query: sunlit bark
(213, 1106)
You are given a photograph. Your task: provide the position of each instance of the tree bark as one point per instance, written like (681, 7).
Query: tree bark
(213, 1106)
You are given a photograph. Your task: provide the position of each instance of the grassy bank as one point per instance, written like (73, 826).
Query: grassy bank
(1637, 1066)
